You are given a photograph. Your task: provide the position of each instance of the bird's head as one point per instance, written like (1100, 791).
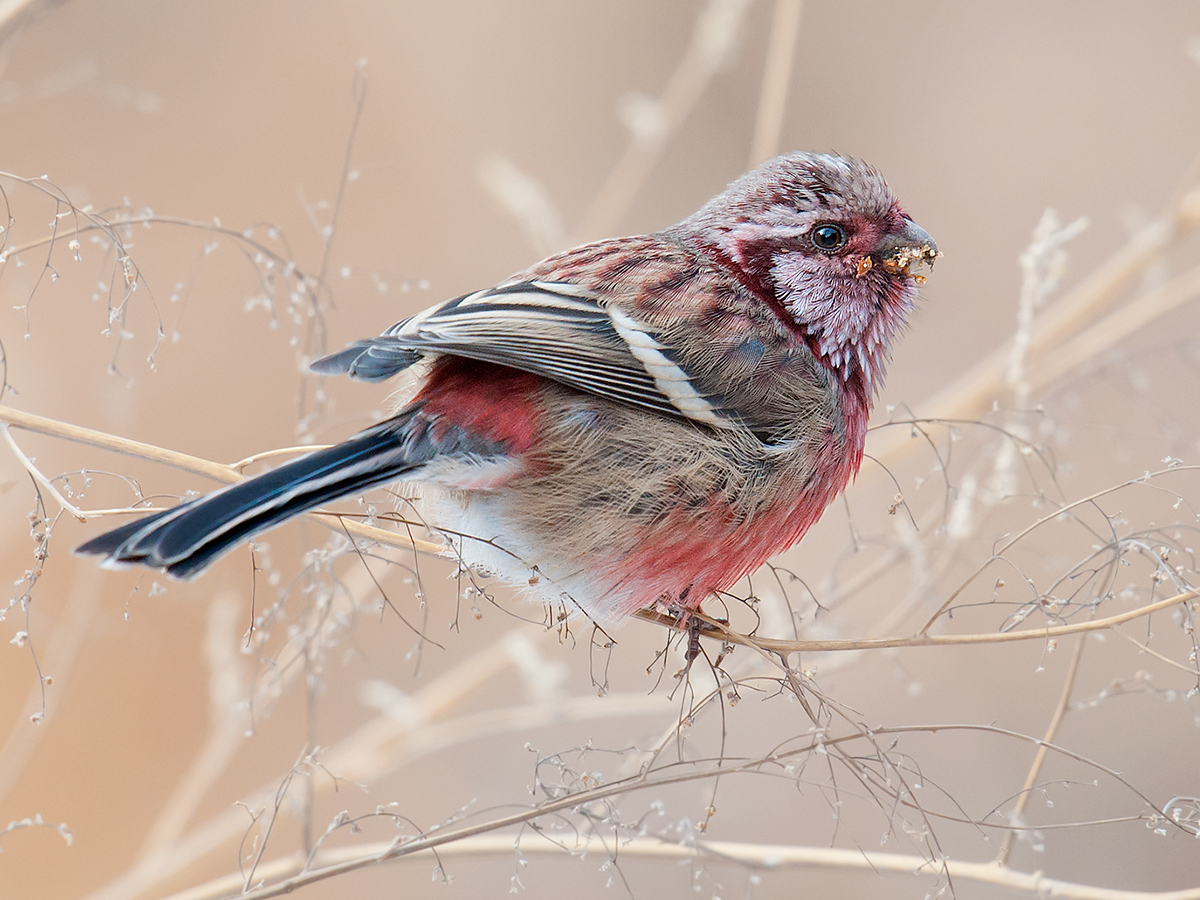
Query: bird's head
(823, 240)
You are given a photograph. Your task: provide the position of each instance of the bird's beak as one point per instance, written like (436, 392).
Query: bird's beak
(910, 246)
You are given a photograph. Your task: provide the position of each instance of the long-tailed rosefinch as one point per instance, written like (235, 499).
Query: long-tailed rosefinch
(636, 421)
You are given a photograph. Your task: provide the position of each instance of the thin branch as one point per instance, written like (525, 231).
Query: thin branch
(1022, 534)
(1143, 648)
(242, 464)
(359, 93)
(445, 838)
(1064, 702)
(20, 745)
(772, 645)
(36, 474)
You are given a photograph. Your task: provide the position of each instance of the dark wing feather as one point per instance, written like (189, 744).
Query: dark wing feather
(556, 330)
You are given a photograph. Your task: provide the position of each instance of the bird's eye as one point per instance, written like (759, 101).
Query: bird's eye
(828, 238)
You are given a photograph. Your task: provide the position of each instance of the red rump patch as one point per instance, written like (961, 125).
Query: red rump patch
(494, 402)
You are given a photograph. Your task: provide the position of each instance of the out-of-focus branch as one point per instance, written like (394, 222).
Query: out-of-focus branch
(657, 120)
(772, 97)
(1117, 326)
(387, 743)
(976, 389)
(15, 13)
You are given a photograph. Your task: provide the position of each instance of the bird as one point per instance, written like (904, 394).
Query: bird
(635, 423)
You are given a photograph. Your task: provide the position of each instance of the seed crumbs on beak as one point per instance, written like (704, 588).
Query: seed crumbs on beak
(898, 263)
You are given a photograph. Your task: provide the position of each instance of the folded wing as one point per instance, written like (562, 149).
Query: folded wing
(557, 330)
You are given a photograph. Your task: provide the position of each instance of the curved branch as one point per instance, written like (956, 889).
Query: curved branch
(721, 631)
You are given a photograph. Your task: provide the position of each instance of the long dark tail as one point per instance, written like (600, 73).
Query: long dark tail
(186, 539)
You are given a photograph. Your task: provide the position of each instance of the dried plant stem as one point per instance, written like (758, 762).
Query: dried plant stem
(225, 739)
(38, 477)
(1064, 702)
(359, 93)
(55, 428)
(772, 98)
(721, 632)
(1150, 651)
(87, 222)
(295, 874)
(189, 792)
(242, 464)
(1147, 246)
(226, 687)
(771, 857)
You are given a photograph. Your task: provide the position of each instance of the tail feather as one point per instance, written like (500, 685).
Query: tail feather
(186, 539)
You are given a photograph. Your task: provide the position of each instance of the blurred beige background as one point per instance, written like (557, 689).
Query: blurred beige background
(980, 115)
